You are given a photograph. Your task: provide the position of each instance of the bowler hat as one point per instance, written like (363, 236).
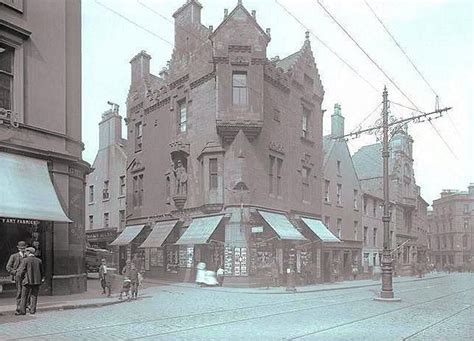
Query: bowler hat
(21, 244)
(30, 249)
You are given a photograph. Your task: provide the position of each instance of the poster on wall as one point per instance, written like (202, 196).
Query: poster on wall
(237, 261)
(182, 257)
(243, 261)
(228, 260)
(189, 257)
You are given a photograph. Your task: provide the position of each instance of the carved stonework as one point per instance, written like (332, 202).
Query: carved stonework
(178, 147)
(277, 147)
(239, 60)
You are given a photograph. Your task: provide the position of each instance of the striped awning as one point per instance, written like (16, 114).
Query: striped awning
(127, 235)
(282, 226)
(200, 230)
(158, 235)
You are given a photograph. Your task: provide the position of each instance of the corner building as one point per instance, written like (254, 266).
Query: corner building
(225, 154)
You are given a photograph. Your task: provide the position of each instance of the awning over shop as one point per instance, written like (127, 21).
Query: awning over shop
(200, 230)
(282, 226)
(127, 235)
(26, 190)
(160, 232)
(320, 230)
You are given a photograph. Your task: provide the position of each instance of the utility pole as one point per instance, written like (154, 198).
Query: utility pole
(389, 127)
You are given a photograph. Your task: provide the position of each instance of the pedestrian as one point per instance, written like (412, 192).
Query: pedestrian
(105, 278)
(220, 275)
(355, 270)
(127, 283)
(31, 274)
(12, 268)
(200, 273)
(133, 275)
(127, 267)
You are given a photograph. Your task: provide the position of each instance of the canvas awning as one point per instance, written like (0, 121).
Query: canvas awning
(320, 230)
(200, 230)
(282, 226)
(26, 190)
(127, 235)
(160, 232)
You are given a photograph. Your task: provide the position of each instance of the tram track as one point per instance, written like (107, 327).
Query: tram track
(211, 314)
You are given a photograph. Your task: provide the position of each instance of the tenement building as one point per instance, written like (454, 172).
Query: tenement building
(42, 171)
(341, 209)
(105, 185)
(407, 207)
(451, 229)
(225, 154)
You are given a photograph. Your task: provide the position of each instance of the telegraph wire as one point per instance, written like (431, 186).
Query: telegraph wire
(366, 54)
(327, 46)
(367, 117)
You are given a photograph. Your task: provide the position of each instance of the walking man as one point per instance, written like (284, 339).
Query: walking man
(105, 278)
(31, 275)
(12, 268)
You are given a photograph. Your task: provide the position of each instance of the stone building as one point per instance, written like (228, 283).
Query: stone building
(408, 209)
(225, 154)
(372, 231)
(341, 193)
(43, 174)
(106, 184)
(451, 229)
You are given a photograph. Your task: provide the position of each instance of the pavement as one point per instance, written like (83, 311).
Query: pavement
(437, 307)
(93, 297)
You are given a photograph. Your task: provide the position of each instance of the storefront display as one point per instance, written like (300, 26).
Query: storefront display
(228, 260)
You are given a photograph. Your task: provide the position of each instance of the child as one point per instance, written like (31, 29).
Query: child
(133, 275)
(126, 288)
(105, 278)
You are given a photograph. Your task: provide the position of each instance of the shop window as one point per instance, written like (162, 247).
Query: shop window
(106, 219)
(326, 190)
(182, 116)
(6, 77)
(213, 174)
(339, 194)
(105, 190)
(122, 185)
(138, 136)
(239, 88)
(374, 240)
(339, 228)
(366, 231)
(91, 222)
(356, 201)
(305, 117)
(91, 193)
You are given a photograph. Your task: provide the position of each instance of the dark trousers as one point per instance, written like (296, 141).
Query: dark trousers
(18, 293)
(29, 293)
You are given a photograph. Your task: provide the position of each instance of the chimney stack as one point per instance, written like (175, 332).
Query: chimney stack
(337, 122)
(140, 67)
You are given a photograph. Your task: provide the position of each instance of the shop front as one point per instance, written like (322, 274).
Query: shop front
(101, 238)
(127, 244)
(29, 211)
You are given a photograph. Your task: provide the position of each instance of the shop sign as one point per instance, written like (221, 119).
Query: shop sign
(257, 229)
(19, 221)
(106, 235)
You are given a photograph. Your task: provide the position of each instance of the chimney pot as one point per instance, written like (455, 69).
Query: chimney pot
(254, 14)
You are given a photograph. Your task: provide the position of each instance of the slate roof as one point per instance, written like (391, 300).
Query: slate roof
(287, 62)
(368, 161)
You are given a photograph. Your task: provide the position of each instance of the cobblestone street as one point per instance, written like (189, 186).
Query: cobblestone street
(431, 309)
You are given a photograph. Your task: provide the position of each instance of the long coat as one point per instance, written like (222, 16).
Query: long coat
(13, 264)
(30, 271)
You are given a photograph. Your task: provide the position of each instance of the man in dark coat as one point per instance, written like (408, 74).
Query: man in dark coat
(12, 267)
(31, 274)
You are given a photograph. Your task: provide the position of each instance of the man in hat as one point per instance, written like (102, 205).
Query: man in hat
(12, 267)
(31, 274)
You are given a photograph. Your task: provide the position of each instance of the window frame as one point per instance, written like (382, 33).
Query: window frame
(106, 219)
(305, 122)
(122, 185)
(213, 174)
(339, 194)
(9, 74)
(182, 123)
(91, 194)
(138, 136)
(239, 89)
(105, 190)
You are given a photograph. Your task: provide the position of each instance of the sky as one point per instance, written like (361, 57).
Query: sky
(437, 35)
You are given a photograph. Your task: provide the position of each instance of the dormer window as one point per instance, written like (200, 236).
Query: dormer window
(239, 88)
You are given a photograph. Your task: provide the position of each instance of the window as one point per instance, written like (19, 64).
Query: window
(365, 205)
(140, 190)
(122, 185)
(445, 244)
(105, 191)
(6, 77)
(212, 173)
(464, 240)
(91, 193)
(466, 209)
(451, 242)
(270, 174)
(279, 164)
(326, 190)
(106, 219)
(338, 167)
(339, 228)
(305, 122)
(356, 228)
(466, 224)
(339, 194)
(374, 209)
(91, 222)
(438, 244)
(366, 231)
(239, 88)
(138, 136)
(122, 218)
(137, 190)
(356, 203)
(183, 116)
(374, 240)
(306, 174)
(327, 221)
